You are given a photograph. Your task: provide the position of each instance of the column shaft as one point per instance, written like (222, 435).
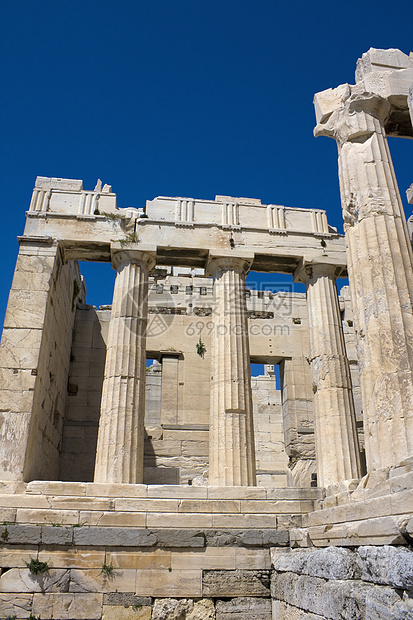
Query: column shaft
(119, 456)
(232, 452)
(381, 284)
(336, 441)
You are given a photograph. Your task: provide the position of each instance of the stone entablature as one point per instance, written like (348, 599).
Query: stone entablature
(89, 233)
(238, 213)
(68, 196)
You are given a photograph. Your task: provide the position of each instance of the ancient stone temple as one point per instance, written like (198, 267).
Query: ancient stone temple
(183, 487)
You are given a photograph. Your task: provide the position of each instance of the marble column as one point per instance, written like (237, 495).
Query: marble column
(119, 456)
(232, 450)
(337, 451)
(380, 275)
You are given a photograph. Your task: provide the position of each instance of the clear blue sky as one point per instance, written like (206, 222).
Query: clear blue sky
(180, 97)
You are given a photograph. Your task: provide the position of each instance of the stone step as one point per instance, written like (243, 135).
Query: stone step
(393, 504)
(105, 518)
(92, 489)
(17, 539)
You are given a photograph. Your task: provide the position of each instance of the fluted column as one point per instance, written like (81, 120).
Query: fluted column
(337, 451)
(119, 456)
(380, 275)
(232, 451)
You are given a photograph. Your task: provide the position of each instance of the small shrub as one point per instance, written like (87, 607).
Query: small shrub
(36, 567)
(130, 238)
(107, 570)
(200, 348)
(111, 216)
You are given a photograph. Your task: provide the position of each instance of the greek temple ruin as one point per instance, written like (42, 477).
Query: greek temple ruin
(183, 487)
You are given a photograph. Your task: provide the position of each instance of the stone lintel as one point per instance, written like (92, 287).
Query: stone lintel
(92, 239)
(40, 240)
(57, 183)
(166, 353)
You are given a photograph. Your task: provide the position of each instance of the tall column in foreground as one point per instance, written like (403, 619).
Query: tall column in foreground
(119, 456)
(380, 275)
(232, 450)
(337, 451)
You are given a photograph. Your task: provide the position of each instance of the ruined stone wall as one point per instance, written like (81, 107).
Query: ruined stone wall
(84, 391)
(177, 412)
(35, 357)
(177, 391)
(271, 457)
(375, 583)
(50, 396)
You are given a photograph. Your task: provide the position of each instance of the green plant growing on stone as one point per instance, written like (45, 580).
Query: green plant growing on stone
(11, 617)
(36, 567)
(107, 570)
(110, 216)
(31, 617)
(81, 524)
(5, 534)
(129, 239)
(137, 607)
(200, 348)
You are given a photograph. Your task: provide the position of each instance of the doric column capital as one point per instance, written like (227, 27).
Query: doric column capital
(121, 257)
(307, 271)
(241, 264)
(353, 119)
